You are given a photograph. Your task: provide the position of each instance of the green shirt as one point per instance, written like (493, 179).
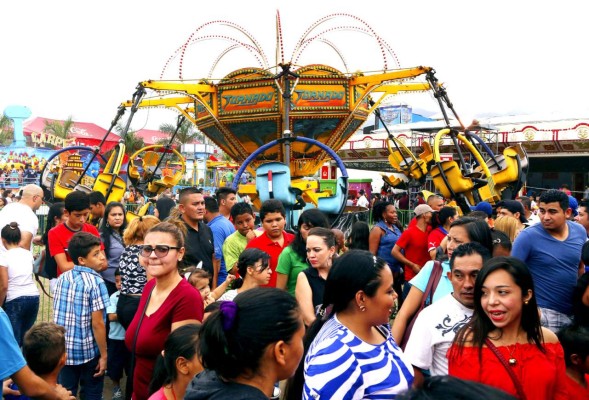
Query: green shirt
(290, 264)
(232, 249)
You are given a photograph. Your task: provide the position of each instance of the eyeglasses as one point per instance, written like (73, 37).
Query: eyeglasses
(161, 250)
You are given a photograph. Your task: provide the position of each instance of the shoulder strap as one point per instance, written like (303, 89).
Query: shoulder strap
(515, 380)
(432, 283)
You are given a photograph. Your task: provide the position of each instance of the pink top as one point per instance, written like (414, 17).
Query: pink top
(159, 395)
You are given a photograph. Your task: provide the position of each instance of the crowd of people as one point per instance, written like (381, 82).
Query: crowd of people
(195, 301)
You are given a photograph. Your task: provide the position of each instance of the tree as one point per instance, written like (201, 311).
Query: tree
(131, 140)
(59, 128)
(186, 134)
(6, 131)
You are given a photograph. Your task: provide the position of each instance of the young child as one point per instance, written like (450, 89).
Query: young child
(243, 219)
(177, 365)
(79, 304)
(17, 286)
(575, 343)
(44, 350)
(201, 281)
(77, 210)
(119, 356)
(275, 238)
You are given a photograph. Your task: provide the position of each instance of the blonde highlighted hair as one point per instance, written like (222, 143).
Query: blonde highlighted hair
(137, 229)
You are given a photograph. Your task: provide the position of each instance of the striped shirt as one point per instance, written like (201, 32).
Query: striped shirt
(341, 366)
(78, 293)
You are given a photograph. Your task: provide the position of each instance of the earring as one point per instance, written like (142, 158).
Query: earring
(526, 302)
(362, 308)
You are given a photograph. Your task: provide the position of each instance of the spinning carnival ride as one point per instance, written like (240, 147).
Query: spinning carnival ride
(283, 122)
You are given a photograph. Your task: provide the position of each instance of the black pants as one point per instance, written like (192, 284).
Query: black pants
(126, 309)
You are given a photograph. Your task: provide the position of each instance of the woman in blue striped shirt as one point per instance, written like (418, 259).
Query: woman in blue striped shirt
(353, 355)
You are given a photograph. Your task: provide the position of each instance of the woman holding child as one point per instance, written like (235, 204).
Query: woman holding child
(168, 302)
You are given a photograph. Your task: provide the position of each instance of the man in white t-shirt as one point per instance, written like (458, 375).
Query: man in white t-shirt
(362, 200)
(23, 213)
(436, 326)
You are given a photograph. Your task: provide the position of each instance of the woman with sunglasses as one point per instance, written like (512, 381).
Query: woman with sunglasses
(168, 302)
(133, 276)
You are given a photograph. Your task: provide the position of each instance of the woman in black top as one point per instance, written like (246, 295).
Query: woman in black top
(311, 282)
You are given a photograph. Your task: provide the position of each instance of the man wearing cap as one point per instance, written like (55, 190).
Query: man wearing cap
(487, 208)
(573, 205)
(436, 202)
(513, 208)
(415, 244)
(552, 252)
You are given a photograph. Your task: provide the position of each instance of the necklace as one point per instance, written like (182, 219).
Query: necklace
(512, 360)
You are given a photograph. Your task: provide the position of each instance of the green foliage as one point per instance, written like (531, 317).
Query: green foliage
(6, 131)
(186, 134)
(59, 128)
(132, 141)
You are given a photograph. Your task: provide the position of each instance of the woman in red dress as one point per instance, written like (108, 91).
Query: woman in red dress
(168, 302)
(506, 325)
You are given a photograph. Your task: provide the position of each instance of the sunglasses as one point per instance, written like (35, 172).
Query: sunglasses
(161, 250)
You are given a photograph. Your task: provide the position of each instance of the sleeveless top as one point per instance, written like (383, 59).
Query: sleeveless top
(317, 284)
(387, 242)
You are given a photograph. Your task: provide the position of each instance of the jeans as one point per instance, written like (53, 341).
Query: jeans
(73, 375)
(22, 313)
(553, 320)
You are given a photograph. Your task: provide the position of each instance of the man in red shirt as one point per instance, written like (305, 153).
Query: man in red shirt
(77, 210)
(274, 239)
(414, 243)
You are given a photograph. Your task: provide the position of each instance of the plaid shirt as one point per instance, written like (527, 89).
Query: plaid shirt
(78, 293)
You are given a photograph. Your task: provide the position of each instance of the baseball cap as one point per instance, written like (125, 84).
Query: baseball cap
(514, 206)
(422, 209)
(483, 206)
(573, 204)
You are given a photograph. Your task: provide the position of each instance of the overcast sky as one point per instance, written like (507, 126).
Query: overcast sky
(83, 58)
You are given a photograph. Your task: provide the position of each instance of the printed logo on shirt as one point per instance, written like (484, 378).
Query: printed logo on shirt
(447, 327)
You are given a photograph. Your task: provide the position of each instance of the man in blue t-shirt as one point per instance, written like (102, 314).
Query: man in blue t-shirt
(552, 251)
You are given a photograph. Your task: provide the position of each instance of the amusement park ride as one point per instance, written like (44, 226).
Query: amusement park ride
(283, 122)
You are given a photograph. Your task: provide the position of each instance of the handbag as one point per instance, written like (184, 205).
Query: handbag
(432, 284)
(514, 379)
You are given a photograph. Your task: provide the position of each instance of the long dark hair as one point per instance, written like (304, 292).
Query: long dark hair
(481, 325)
(580, 310)
(233, 339)
(358, 239)
(181, 342)
(164, 205)
(477, 231)
(439, 218)
(106, 230)
(55, 211)
(248, 258)
(313, 217)
(351, 272)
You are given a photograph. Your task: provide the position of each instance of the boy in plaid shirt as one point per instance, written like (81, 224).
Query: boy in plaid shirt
(79, 304)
